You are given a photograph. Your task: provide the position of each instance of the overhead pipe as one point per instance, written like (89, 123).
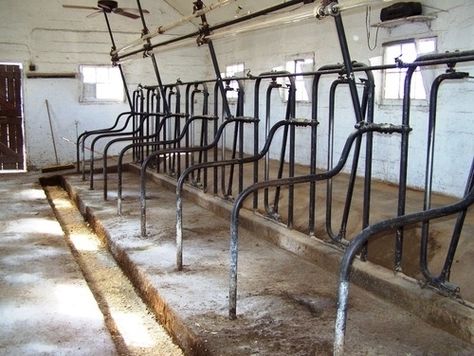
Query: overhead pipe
(191, 36)
(164, 28)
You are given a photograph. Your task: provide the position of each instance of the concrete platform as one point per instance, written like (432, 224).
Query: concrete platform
(286, 301)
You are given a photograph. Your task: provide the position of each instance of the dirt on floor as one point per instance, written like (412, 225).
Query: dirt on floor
(384, 202)
(286, 305)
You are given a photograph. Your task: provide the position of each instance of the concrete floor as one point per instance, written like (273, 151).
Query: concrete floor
(61, 293)
(286, 303)
(46, 306)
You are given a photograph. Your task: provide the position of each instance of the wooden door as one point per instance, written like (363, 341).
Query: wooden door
(11, 119)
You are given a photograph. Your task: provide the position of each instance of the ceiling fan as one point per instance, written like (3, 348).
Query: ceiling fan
(109, 6)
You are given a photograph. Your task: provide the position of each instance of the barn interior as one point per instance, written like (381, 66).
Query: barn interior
(236, 177)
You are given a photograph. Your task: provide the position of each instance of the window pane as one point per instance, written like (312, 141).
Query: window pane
(102, 74)
(234, 69)
(409, 52)
(114, 75)
(301, 92)
(290, 66)
(417, 88)
(392, 84)
(392, 52)
(88, 91)
(101, 83)
(88, 74)
(108, 91)
(426, 45)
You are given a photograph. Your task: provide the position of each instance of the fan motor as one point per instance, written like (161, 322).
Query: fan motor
(107, 5)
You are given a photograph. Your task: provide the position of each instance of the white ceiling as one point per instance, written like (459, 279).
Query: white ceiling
(164, 12)
(233, 9)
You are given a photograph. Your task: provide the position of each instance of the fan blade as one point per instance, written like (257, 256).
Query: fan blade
(95, 13)
(134, 10)
(80, 7)
(120, 11)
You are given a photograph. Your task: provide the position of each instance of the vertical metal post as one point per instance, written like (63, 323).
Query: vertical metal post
(402, 185)
(220, 83)
(124, 81)
(348, 66)
(153, 59)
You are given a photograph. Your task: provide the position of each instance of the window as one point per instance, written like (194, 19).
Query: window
(297, 64)
(407, 51)
(101, 84)
(233, 70)
(300, 65)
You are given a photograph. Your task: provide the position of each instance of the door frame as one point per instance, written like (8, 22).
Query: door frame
(23, 124)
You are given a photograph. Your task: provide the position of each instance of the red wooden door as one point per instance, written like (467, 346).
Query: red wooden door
(11, 119)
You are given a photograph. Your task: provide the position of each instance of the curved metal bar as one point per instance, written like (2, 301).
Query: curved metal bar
(102, 132)
(441, 279)
(424, 60)
(226, 90)
(140, 144)
(138, 102)
(182, 179)
(358, 242)
(190, 135)
(143, 117)
(94, 132)
(367, 100)
(314, 132)
(290, 113)
(158, 143)
(238, 136)
(361, 128)
(181, 150)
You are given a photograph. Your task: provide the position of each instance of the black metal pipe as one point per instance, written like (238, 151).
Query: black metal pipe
(359, 241)
(84, 134)
(241, 161)
(147, 50)
(101, 132)
(290, 113)
(181, 150)
(158, 144)
(122, 75)
(361, 128)
(238, 139)
(220, 83)
(353, 174)
(441, 279)
(431, 60)
(313, 155)
(266, 167)
(330, 157)
(142, 142)
(341, 34)
(219, 26)
(131, 135)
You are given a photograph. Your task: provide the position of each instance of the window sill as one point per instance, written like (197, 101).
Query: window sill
(100, 102)
(398, 103)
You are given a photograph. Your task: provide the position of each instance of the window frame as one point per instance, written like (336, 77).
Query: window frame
(232, 96)
(402, 73)
(85, 98)
(300, 81)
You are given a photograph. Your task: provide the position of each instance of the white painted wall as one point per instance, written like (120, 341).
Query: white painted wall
(59, 40)
(263, 50)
